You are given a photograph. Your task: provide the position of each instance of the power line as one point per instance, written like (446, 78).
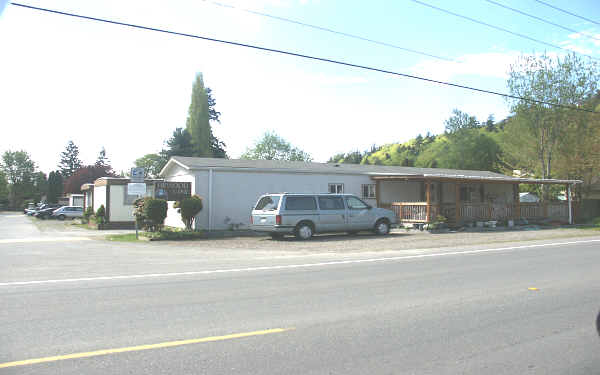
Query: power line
(309, 57)
(542, 20)
(326, 29)
(500, 28)
(567, 12)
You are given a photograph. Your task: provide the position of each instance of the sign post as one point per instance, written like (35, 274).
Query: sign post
(137, 186)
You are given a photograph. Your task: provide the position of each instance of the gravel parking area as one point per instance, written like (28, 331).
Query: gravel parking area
(396, 240)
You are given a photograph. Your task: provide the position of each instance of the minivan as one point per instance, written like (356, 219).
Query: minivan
(70, 212)
(306, 214)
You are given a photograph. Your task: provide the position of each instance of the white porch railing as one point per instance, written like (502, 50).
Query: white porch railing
(422, 212)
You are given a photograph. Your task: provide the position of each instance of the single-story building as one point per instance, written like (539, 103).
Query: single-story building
(230, 188)
(112, 193)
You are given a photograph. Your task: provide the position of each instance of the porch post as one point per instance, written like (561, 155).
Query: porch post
(428, 197)
(516, 202)
(441, 199)
(569, 203)
(377, 192)
(457, 189)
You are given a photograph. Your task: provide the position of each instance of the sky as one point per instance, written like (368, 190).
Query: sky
(126, 90)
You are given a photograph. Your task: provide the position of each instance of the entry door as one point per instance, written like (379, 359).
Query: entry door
(360, 216)
(332, 214)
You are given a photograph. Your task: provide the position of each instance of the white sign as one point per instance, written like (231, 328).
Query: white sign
(137, 174)
(136, 189)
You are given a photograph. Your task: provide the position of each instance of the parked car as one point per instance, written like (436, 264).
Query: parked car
(45, 211)
(306, 214)
(70, 212)
(30, 207)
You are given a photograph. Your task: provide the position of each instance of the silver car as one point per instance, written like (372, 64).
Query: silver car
(306, 214)
(70, 212)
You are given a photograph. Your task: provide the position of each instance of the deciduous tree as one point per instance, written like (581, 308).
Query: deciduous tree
(272, 147)
(152, 164)
(568, 81)
(86, 175)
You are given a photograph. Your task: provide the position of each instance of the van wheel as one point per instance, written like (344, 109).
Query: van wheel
(382, 227)
(61, 217)
(304, 231)
(276, 236)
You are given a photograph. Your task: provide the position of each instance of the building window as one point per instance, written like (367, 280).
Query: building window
(368, 191)
(336, 188)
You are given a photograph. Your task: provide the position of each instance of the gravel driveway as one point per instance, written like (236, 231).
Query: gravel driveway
(396, 240)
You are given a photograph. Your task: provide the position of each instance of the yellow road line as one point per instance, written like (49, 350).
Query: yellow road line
(142, 347)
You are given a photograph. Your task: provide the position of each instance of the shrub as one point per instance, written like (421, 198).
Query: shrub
(150, 213)
(87, 214)
(189, 207)
(101, 215)
(138, 211)
(155, 211)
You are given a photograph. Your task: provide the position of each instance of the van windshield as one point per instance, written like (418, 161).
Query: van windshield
(268, 203)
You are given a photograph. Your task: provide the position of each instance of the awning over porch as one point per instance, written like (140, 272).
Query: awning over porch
(449, 195)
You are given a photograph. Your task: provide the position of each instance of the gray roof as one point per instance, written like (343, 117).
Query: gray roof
(334, 168)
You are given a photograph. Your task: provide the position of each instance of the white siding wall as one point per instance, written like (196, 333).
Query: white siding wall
(179, 174)
(99, 197)
(118, 210)
(236, 192)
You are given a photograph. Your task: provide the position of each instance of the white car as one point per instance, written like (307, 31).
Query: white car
(68, 212)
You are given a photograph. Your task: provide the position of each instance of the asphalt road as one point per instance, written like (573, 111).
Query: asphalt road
(518, 309)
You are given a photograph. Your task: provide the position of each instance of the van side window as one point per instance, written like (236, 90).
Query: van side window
(355, 203)
(331, 203)
(300, 203)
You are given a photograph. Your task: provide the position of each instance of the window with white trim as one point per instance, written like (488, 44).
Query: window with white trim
(336, 188)
(368, 191)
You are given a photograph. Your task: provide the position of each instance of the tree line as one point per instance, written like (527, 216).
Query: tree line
(22, 182)
(536, 140)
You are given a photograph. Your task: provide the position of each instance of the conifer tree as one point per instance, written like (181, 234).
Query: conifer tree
(69, 160)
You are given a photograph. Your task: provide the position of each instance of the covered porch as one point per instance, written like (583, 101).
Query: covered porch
(463, 199)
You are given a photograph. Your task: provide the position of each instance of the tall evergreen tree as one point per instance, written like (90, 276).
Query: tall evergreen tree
(55, 186)
(200, 115)
(198, 121)
(102, 160)
(69, 160)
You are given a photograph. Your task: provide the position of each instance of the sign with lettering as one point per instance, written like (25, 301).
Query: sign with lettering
(172, 191)
(137, 174)
(136, 188)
